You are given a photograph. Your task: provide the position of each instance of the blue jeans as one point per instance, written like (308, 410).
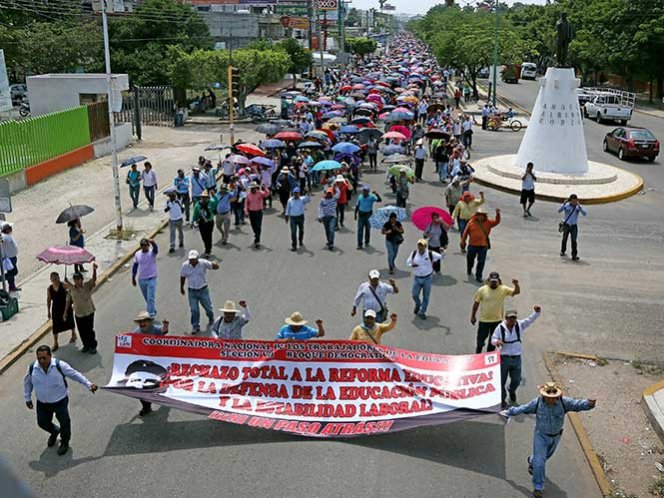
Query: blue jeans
(149, 290)
(363, 228)
(442, 170)
(462, 225)
(480, 253)
(423, 285)
(202, 297)
(392, 251)
(329, 222)
(134, 193)
(543, 448)
(509, 365)
(149, 195)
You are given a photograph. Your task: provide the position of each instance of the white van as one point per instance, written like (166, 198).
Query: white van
(528, 71)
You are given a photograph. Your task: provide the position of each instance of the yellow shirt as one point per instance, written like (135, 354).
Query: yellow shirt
(491, 302)
(465, 210)
(361, 334)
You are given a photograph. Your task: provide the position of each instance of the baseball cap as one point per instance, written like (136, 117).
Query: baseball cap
(510, 314)
(370, 313)
(374, 274)
(296, 189)
(494, 275)
(366, 187)
(193, 254)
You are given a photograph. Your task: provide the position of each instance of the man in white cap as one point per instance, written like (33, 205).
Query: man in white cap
(254, 209)
(370, 331)
(507, 337)
(373, 295)
(296, 329)
(421, 260)
(549, 409)
(194, 272)
(420, 156)
(230, 324)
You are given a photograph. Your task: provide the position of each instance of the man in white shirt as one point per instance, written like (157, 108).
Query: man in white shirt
(47, 376)
(467, 132)
(485, 115)
(420, 157)
(373, 295)
(528, 189)
(507, 337)
(194, 270)
(149, 179)
(175, 222)
(421, 260)
(228, 169)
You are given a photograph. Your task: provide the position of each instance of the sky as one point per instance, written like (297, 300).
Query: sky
(421, 6)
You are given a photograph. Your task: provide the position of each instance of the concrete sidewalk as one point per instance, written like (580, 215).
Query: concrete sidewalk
(653, 406)
(36, 209)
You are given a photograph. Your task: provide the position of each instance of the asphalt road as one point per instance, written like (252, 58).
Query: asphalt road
(609, 304)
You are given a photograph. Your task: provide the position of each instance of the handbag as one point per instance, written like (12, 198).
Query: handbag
(383, 309)
(397, 239)
(488, 240)
(561, 225)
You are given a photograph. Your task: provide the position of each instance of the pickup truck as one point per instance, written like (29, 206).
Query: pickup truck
(610, 106)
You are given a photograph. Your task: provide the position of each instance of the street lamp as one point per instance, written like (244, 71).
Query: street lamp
(495, 52)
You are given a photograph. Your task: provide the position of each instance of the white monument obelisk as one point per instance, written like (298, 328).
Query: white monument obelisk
(554, 141)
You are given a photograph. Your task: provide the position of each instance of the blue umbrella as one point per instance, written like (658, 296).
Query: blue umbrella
(349, 129)
(400, 116)
(301, 98)
(132, 160)
(308, 145)
(345, 148)
(392, 149)
(326, 165)
(380, 216)
(264, 161)
(272, 143)
(332, 114)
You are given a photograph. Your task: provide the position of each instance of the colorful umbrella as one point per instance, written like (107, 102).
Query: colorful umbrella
(288, 135)
(65, 255)
(346, 148)
(395, 135)
(421, 217)
(392, 149)
(272, 143)
(349, 129)
(401, 116)
(318, 135)
(238, 159)
(309, 145)
(327, 165)
(251, 149)
(382, 215)
(398, 168)
(73, 213)
(264, 161)
(401, 129)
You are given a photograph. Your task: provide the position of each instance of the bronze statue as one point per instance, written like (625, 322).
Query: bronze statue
(563, 38)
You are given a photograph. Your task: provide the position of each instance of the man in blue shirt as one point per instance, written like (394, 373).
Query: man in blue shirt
(295, 215)
(549, 410)
(571, 209)
(363, 211)
(181, 184)
(222, 215)
(296, 329)
(327, 214)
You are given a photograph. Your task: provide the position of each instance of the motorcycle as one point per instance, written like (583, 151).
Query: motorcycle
(24, 109)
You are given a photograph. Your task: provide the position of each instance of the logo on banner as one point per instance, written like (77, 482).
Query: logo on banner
(490, 359)
(327, 4)
(123, 341)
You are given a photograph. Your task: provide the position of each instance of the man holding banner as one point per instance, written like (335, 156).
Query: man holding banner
(370, 331)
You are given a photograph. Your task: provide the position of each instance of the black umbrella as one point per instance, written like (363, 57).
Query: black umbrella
(132, 160)
(268, 128)
(73, 213)
(436, 133)
(217, 147)
(368, 133)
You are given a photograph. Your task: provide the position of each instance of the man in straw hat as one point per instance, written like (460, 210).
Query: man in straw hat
(477, 232)
(549, 409)
(422, 260)
(230, 324)
(145, 325)
(507, 337)
(296, 329)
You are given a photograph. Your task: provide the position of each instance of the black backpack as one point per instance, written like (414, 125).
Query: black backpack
(503, 330)
(57, 365)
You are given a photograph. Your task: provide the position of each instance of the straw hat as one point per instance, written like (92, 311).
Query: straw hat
(482, 210)
(143, 315)
(550, 390)
(253, 185)
(296, 319)
(205, 194)
(229, 307)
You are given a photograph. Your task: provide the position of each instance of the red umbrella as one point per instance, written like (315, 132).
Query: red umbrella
(288, 135)
(250, 149)
(65, 255)
(345, 88)
(401, 129)
(421, 217)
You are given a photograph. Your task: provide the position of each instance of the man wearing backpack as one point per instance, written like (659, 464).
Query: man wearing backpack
(48, 377)
(507, 337)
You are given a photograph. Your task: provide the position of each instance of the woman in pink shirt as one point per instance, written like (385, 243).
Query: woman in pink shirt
(254, 209)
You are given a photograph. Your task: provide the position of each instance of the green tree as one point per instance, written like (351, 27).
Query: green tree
(300, 57)
(140, 42)
(361, 46)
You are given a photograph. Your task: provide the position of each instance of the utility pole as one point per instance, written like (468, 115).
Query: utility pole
(111, 121)
(320, 39)
(495, 52)
(230, 99)
(310, 13)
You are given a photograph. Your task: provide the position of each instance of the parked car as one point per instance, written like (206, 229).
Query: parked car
(528, 71)
(610, 105)
(632, 142)
(18, 92)
(583, 95)
(483, 73)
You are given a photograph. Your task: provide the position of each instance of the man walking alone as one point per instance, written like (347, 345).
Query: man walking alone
(194, 272)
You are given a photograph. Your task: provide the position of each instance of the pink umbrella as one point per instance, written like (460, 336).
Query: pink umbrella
(238, 159)
(421, 217)
(401, 129)
(401, 109)
(384, 115)
(65, 255)
(395, 135)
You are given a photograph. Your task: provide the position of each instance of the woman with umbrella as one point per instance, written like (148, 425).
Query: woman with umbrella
(77, 239)
(393, 231)
(58, 308)
(403, 188)
(436, 235)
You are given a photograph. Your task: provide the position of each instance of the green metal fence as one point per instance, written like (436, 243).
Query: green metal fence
(30, 141)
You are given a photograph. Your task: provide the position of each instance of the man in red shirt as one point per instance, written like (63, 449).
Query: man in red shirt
(477, 231)
(254, 209)
(342, 184)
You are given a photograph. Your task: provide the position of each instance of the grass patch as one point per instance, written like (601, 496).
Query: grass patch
(657, 488)
(648, 369)
(128, 232)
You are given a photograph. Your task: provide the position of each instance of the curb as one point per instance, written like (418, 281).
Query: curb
(582, 435)
(36, 336)
(647, 113)
(651, 407)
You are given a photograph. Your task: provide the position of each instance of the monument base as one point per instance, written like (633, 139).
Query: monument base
(600, 184)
